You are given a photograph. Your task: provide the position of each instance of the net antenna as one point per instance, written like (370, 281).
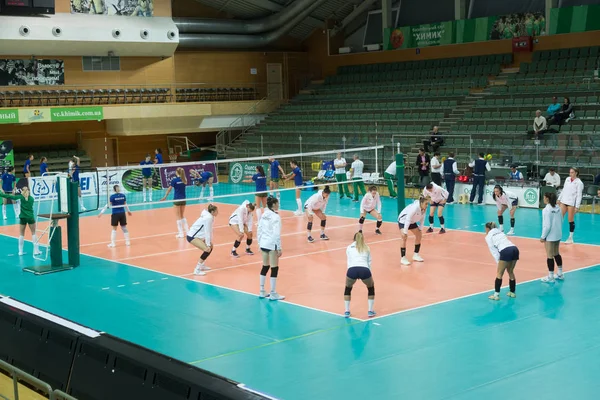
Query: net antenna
(52, 206)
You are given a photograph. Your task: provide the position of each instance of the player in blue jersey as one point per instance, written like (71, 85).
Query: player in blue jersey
(120, 210)
(27, 167)
(158, 158)
(260, 179)
(202, 179)
(147, 177)
(296, 175)
(178, 185)
(8, 180)
(275, 172)
(43, 166)
(75, 178)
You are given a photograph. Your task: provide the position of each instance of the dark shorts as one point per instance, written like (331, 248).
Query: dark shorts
(361, 273)
(515, 203)
(267, 250)
(26, 221)
(262, 194)
(147, 177)
(410, 227)
(179, 203)
(118, 219)
(189, 239)
(276, 180)
(509, 254)
(438, 204)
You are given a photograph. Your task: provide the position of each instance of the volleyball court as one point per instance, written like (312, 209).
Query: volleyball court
(311, 275)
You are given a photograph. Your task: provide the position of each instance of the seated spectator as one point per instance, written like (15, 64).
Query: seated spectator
(553, 108)
(540, 125)
(515, 174)
(552, 178)
(563, 115)
(597, 180)
(435, 141)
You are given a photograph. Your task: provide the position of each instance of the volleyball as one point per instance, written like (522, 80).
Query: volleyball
(488, 157)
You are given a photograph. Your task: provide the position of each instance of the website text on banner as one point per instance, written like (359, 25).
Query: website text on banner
(465, 31)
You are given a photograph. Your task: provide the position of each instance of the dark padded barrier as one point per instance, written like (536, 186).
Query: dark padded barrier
(37, 346)
(110, 368)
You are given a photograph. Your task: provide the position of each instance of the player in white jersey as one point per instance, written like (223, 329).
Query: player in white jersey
(438, 196)
(504, 200)
(371, 204)
(359, 267)
(269, 242)
(316, 205)
(200, 236)
(506, 255)
(407, 221)
(241, 224)
(551, 236)
(570, 199)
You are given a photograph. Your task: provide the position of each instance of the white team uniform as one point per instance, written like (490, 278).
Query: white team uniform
(340, 165)
(572, 192)
(241, 216)
(356, 259)
(497, 241)
(357, 169)
(411, 215)
(370, 203)
(437, 193)
(391, 169)
(269, 231)
(551, 223)
(203, 227)
(507, 199)
(316, 202)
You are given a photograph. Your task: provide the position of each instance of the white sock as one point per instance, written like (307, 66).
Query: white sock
(299, 202)
(322, 231)
(144, 192)
(211, 192)
(202, 192)
(371, 302)
(442, 225)
(273, 284)
(126, 237)
(150, 193)
(309, 234)
(279, 196)
(17, 208)
(179, 226)
(21, 243)
(560, 272)
(571, 235)
(263, 279)
(258, 213)
(113, 236)
(36, 245)
(4, 210)
(347, 303)
(550, 274)
(501, 228)
(184, 223)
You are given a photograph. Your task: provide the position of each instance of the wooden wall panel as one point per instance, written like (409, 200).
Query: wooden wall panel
(49, 134)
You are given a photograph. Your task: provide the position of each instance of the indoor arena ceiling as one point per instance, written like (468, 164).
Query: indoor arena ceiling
(253, 9)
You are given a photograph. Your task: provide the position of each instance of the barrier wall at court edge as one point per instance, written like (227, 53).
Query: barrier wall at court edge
(90, 365)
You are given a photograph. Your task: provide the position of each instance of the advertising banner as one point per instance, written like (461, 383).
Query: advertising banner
(529, 197)
(131, 8)
(31, 72)
(168, 173)
(241, 171)
(45, 189)
(7, 155)
(55, 114)
(10, 116)
(62, 114)
(574, 19)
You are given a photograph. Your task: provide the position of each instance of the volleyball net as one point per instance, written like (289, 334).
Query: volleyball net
(230, 180)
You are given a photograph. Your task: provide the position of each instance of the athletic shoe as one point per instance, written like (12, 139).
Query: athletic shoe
(298, 213)
(5, 217)
(128, 243)
(204, 267)
(179, 236)
(481, 204)
(442, 230)
(371, 314)
(405, 261)
(418, 258)
(450, 202)
(111, 245)
(377, 232)
(310, 239)
(511, 294)
(494, 297)
(37, 252)
(430, 230)
(198, 271)
(235, 254)
(560, 277)
(547, 279)
(511, 232)
(324, 237)
(347, 314)
(569, 241)
(249, 252)
(262, 294)
(275, 296)
(22, 253)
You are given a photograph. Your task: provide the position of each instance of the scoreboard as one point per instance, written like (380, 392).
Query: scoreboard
(26, 7)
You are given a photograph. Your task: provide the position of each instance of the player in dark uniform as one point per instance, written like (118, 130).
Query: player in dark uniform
(118, 203)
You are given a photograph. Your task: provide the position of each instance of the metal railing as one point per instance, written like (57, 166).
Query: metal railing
(39, 385)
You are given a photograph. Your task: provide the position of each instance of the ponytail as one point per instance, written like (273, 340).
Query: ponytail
(361, 246)
(490, 225)
(212, 208)
(181, 174)
(326, 189)
(551, 198)
(271, 202)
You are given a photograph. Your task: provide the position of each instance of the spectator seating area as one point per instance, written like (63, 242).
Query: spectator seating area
(58, 159)
(15, 97)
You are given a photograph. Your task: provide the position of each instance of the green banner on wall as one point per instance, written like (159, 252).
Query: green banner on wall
(574, 19)
(9, 116)
(7, 155)
(76, 114)
(239, 172)
(57, 114)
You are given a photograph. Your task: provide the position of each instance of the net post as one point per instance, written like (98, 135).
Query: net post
(73, 224)
(56, 260)
(400, 181)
